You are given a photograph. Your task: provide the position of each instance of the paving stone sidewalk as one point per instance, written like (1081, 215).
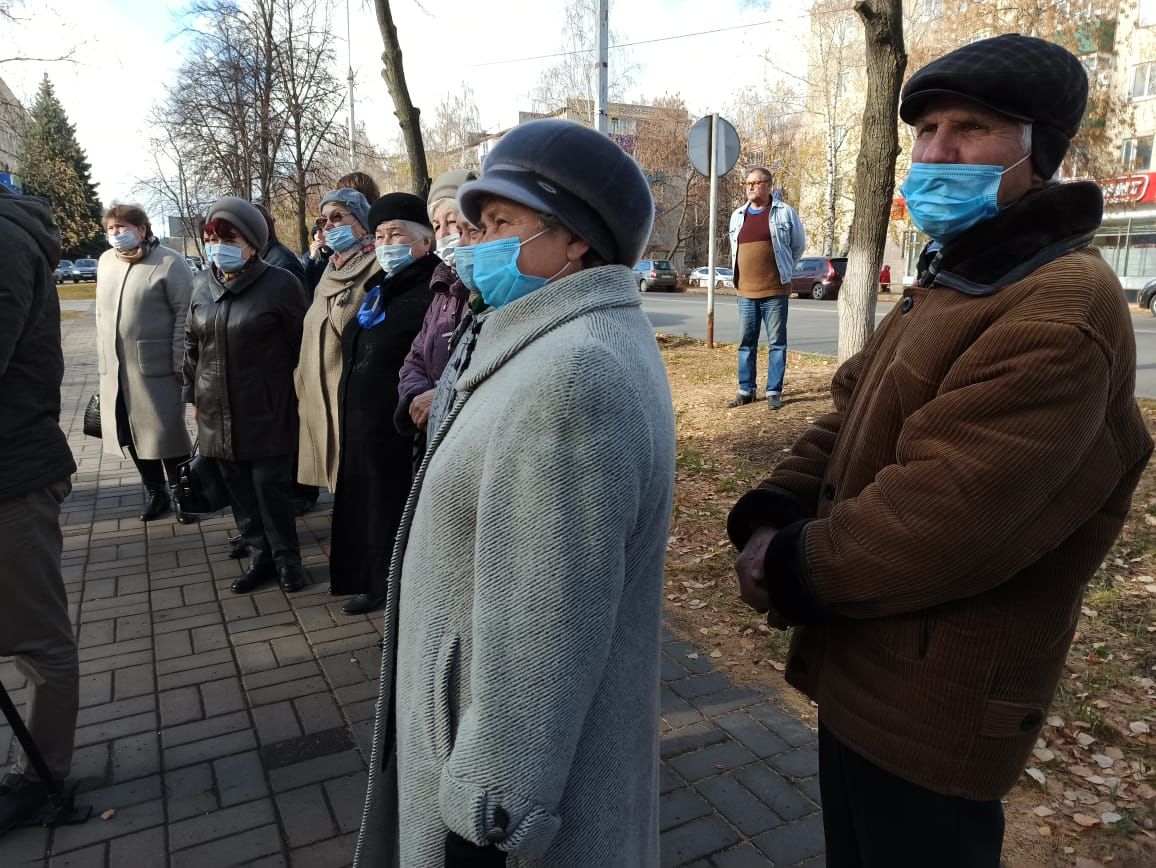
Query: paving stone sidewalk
(226, 730)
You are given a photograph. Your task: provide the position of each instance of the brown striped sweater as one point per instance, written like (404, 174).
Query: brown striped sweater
(938, 529)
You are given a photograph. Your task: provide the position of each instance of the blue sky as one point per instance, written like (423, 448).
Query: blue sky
(128, 49)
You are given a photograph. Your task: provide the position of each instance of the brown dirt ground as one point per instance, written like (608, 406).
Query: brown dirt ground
(1097, 802)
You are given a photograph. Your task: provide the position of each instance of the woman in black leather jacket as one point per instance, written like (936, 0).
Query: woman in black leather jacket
(242, 338)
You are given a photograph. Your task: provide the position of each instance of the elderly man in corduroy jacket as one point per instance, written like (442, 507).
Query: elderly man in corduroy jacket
(931, 539)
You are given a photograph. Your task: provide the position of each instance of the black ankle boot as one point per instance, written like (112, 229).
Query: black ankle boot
(237, 548)
(363, 603)
(156, 505)
(252, 577)
(182, 516)
(292, 578)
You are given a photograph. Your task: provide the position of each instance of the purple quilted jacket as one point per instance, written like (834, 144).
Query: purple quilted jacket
(431, 348)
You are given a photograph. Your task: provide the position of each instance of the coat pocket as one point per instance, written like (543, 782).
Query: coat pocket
(155, 358)
(442, 697)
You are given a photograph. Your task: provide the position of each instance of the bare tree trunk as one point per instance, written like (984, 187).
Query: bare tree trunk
(874, 171)
(408, 115)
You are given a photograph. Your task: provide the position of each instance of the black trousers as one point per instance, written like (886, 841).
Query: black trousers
(260, 493)
(873, 819)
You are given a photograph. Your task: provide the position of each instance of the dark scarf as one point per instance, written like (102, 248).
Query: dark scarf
(1044, 225)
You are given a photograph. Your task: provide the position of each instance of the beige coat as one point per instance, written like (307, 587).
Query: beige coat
(336, 300)
(140, 348)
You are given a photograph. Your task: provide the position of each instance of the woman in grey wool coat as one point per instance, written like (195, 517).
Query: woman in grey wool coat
(142, 297)
(518, 718)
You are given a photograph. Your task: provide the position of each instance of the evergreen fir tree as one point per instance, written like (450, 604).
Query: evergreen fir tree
(55, 167)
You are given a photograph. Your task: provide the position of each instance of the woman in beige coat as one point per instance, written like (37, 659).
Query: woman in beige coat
(142, 296)
(336, 300)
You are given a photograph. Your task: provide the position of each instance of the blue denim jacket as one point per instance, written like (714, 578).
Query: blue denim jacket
(787, 235)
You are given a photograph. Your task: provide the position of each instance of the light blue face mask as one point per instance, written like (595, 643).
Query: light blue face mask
(947, 199)
(340, 238)
(227, 257)
(464, 264)
(393, 257)
(447, 246)
(496, 271)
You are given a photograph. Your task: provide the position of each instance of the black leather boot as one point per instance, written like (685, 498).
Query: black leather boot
(156, 504)
(292, 578)
(252, 577)
(237, 548)
(362, 603)
(182, 516)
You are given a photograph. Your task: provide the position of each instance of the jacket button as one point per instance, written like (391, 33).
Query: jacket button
(829, 491)
(1031, 721)
(906, 305)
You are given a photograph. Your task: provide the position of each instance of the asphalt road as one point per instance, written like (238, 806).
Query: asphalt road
(813, 326)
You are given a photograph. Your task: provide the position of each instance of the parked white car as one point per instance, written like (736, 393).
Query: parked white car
(722, 277)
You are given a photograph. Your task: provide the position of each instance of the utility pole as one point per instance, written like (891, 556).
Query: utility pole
(349, 80)
(602, 113)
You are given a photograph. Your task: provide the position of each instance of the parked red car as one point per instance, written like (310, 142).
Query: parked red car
(819, 277)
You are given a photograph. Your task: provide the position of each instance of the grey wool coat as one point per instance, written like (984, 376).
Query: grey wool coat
(524, 603)
(140, 345)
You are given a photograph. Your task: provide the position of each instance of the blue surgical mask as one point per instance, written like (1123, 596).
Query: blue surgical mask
(228, 258)
(393, 257)
(447, 246)
(947, 199)
(464, 264)
(340, 238)
(125, 241)
(496, 271)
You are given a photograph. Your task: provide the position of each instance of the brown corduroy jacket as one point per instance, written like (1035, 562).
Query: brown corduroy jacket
(938, 529)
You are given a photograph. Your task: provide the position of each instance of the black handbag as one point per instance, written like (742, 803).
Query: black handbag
(92, 417)
(200, 487)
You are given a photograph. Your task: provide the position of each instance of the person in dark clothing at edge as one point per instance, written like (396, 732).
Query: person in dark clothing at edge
(375, 465)
(36, 467)
(430, 352)
(276, 253)
(931, 539)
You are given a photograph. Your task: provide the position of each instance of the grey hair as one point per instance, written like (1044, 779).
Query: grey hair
(422, 233)
(444, 200)
(1026, 136)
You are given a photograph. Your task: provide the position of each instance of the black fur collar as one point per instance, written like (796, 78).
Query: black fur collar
(1043, 226)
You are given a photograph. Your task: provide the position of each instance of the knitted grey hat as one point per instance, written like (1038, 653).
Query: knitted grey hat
(244, 216)
(353, 201)
(1021, 77)
(575, 174)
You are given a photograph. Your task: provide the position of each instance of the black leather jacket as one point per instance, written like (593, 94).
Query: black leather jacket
(242, 339)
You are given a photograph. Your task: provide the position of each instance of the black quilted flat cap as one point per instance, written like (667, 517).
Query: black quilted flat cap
(1022, 77)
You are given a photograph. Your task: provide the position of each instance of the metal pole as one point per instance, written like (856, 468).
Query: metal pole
(349, 80)
(602, 115)
(710, 256)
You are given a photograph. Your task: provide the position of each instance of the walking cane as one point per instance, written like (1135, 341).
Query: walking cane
(62, 809)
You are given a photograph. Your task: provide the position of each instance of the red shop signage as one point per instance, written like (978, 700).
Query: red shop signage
(1129, 189)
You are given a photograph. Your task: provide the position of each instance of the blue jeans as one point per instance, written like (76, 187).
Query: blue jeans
(771, 313)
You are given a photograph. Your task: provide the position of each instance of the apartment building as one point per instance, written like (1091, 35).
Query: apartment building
(1115, 39)
(11, 119)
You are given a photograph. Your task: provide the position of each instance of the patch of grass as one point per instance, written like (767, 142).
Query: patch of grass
(71, 314)
(76, 291)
